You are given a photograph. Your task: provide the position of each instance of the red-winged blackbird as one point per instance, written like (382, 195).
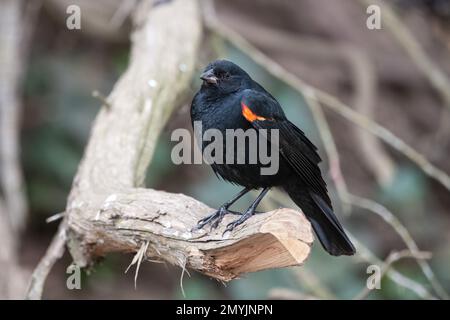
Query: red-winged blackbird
(230, 99)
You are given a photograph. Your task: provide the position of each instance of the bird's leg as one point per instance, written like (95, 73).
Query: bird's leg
(250, 211)
(217, 216)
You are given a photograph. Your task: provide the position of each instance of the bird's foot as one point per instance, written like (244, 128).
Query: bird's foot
(230, 227)
(214, 218)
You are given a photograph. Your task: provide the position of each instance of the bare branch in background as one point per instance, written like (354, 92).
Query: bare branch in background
(364, 101)
(438, 79)
(13, 277)
(415, 51)
(404, 281)
(288, 294)
(312, 282)
(364, 253)
(122, 13)
(54, 252)
(391, 259)
(331, 150)
(11, 65)
(401, 230)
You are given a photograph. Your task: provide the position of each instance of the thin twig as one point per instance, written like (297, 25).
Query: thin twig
(55, 217)
(364, 83)
(313, 283)
(391, 259)
(289, 294)
(54, 252)
(331, 150)
(401, 230)
(365, 254)
(103, 99)
(122, 13)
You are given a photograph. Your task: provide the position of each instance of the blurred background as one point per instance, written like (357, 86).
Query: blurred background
(325, 43)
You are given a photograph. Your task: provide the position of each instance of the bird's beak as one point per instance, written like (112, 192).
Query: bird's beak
(209, 76)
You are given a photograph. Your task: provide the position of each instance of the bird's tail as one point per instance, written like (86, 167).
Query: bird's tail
(323, 220)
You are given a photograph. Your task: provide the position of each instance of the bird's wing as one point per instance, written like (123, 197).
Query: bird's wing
(264, 112)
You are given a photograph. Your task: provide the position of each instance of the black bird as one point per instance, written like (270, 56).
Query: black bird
(230, 99)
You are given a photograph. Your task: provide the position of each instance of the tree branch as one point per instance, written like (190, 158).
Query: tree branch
(125, 221)
(54, 252)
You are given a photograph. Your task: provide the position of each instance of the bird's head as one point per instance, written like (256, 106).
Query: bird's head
(224, 77)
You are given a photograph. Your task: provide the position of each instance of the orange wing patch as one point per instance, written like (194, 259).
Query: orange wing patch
(249, 115)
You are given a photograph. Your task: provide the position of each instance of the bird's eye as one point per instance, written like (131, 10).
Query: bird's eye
(223, 75)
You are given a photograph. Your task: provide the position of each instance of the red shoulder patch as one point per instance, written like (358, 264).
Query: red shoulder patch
(249, 115)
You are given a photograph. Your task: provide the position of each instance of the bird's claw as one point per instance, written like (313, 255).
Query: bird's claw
(230, 227)
(214, 218)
